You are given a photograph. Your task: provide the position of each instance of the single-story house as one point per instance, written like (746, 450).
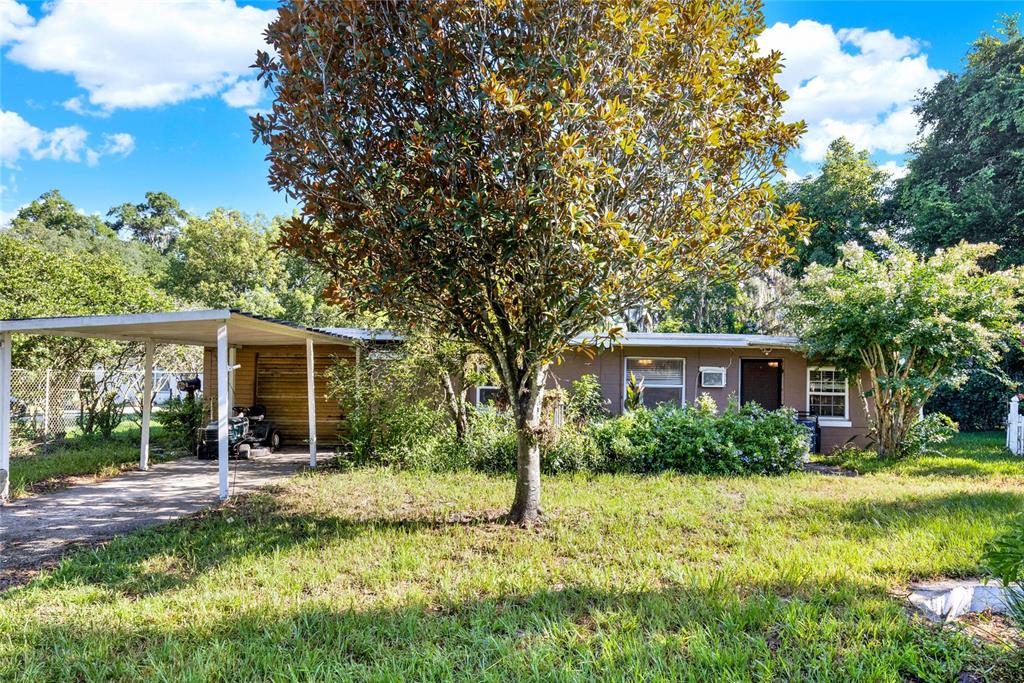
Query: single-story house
(677, 368)
(251, 360)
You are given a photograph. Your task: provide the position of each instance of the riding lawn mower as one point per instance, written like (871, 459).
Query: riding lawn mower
(248, 430)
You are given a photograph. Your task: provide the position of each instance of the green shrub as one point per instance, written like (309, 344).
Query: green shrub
(405, 436)
(927, 433)
(393, 415)
(181, 419)
(586, 402)
(980, 403)
(624, 442)
(490, 444)
(571, 449)
(1004, 559)
(695, 440)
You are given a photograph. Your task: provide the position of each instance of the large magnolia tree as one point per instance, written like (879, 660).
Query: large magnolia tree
(912, 323)
(514, 173)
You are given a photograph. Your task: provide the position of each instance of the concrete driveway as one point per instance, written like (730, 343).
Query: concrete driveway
(36, 531)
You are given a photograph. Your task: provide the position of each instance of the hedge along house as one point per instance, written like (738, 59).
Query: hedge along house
(247, 359)
(677, 368)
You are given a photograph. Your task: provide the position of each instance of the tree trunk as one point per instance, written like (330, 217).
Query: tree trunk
(455, 398)
(527, 410)
(526, 506)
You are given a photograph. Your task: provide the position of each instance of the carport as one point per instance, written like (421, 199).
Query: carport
(222, 331)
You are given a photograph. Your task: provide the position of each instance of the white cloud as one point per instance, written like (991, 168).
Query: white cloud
(79, 106)
(7, 216)
(131, 54)
(246, 93)
(791, 176)
(121, 144)
(14, 18)
(852, 82)
(894, 169)
(18, 137)
(66, 143)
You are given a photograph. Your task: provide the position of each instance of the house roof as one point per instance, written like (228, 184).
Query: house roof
(363, 334)
(196, 328)
(663, 339)
(689, 339)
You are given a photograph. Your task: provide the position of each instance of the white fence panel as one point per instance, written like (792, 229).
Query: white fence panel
(1015, 428)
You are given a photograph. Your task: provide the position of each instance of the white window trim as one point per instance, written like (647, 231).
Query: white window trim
(843, 421)
(483, 386)
(625, 377)
(712, 368)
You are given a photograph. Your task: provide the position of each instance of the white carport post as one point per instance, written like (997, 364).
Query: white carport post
(223, 398)
(147, 404)
(311, 398)
(5, 414)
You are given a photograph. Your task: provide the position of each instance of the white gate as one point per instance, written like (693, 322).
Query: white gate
(1015, 428)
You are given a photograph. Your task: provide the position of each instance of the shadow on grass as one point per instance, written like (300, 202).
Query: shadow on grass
(940, 514)
(833, 631)
(977, 454)
(174, 555)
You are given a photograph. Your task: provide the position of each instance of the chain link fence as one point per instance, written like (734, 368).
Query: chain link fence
(48, 406)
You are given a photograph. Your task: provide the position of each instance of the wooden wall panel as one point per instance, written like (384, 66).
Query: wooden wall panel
(276, 377)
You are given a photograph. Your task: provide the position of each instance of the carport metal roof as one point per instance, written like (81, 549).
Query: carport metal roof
(194, 328)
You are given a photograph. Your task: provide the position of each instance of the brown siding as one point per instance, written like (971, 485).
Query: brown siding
(276, 377)
(609, 366)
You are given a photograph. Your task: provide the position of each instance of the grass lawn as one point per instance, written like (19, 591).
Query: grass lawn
(79, 456)
(369, 574)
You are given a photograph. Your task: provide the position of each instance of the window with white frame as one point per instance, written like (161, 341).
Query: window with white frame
(828, 393)
(662, 379)
(487, 395)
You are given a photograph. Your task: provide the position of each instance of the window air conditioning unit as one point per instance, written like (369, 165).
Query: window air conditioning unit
(712, 378)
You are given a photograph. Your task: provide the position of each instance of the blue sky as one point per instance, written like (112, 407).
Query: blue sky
(108, 100)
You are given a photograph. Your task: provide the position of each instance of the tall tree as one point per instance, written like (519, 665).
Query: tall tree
(38, 283)
(510, 173)
(155, 222)
(912, 323)
(845, 199)
(56, 213)
(224, 259)
(55, 224)
(966, 178)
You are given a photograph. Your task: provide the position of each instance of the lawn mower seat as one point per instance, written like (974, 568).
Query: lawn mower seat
(257, 412)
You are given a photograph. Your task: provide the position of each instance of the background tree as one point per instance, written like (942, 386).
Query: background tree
(223, 260)
(966, 176)
(56, 225)
(38, 282)
(155, 222)
(510, 174)
(751, 305)
(845, 200)
(913, 323)
(966, 182)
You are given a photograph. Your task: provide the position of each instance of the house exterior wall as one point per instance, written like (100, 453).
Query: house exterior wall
(609, 367)
(284, 369)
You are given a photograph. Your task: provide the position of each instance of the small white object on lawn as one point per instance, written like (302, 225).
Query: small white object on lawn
(948, 600)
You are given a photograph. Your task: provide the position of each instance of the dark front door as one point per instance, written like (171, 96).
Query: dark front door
(761, 382)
